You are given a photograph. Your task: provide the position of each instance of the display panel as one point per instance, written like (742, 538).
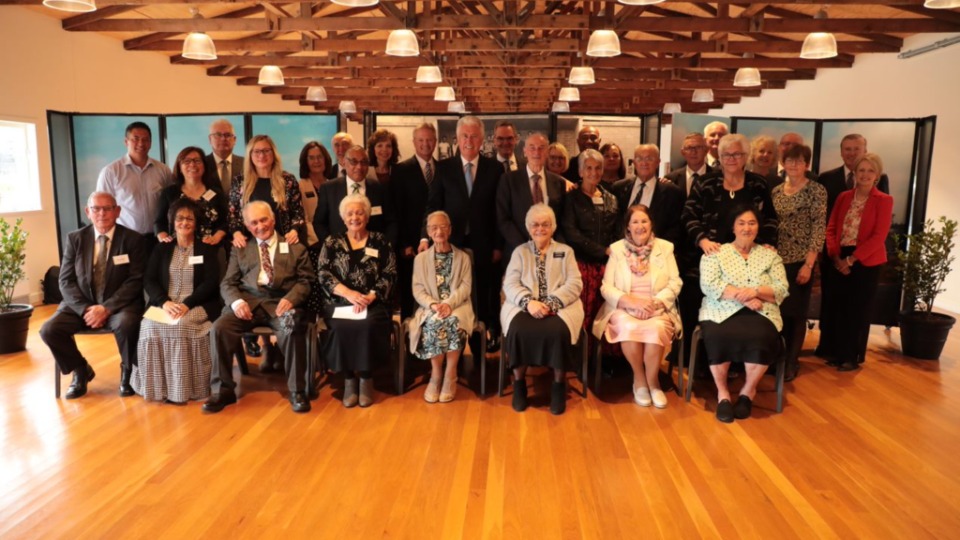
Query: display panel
(194, 130)
(290, 132)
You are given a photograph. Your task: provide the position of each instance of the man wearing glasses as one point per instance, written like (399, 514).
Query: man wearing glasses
(664, 199)
(221, 165)
(101, 280)
(694, 150)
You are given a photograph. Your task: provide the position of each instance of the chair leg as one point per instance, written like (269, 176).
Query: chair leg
(242, 361)
(597, 367)
(503, 359)
(681, 360)
(694, 345)
(584, 363)
(56, 379)
(780, 374)
(483, 359)
(397, 335)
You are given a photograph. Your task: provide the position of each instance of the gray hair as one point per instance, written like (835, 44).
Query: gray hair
(709, 127)
(96, 194)
(470, 121)
(257, 204)
(439, 213)
(541, 210)
(355, 198)
(647, 146)
(731, 139)
(589, 153)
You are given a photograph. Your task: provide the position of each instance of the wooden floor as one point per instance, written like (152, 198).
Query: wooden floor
(871, 454)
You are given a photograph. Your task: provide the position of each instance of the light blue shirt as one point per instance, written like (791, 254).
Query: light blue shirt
(763, 267)
(136, 190)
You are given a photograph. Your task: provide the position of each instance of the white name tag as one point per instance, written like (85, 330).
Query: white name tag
(372, 252)
(209, 194)
(121, 259)
(284, 247)
(598, 200)
(196, 259)
(376, 211)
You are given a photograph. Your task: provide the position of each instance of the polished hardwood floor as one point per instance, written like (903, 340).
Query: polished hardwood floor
(870, 454)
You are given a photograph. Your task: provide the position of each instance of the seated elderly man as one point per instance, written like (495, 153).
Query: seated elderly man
(101, 280)
(266, 284)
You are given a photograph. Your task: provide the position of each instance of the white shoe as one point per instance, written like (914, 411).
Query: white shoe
(659, 398)
(642, 396)
(432, 392)
(449, 390)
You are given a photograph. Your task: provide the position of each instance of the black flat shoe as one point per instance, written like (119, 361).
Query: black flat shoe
(520, 395)
(125, 389)
(252, 346)
(558, 398)
(848, 366)
(81, 376)
(725, 411)
(217, 402)
(833, 362)
(299, 402)
(493, 344)
(743, 407)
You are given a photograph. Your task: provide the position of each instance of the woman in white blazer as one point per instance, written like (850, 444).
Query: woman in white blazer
(640, 288)
(542, 313)
(442, 286)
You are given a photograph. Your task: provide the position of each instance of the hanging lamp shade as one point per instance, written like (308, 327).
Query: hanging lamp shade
(429, 74)
(456, 107)
(569, 93)
(316, 93)
(561, 106)
(931, 4)
(199, 46)
(270, 76)
(702, 95)
(402, 43)
(747, 76)
(671, 108)
(582, 75)
(348, 107)
(73, 6)
(819, 44)
(444, 93)
(355, 3)
(603, 43)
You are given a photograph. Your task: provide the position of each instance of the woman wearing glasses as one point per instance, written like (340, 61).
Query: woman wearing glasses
(190, 182)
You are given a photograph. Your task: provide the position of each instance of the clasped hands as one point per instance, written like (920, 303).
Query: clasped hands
(175, 310)
(442, 310)
(841, 265)
(749, 297)
(359, 300)
(96, 316)
(243, 311)
(538, 310)
(640, 308)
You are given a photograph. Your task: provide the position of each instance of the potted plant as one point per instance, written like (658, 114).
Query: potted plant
(925, 263)
(14, 318)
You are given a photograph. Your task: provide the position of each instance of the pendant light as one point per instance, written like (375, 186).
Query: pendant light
(402, 42)
(819, 45)
(747, 76)
(73, 6)
(316, 93)
(702, 95)
(348, 107)
(640, 2)
(429, 74)
(355, 3)
(197, 45)
(561, 106)
(270, 76)
(456, 107)
(444, 93)
(569, 93)
(603, 43)
(931, 4)
(671, 108)
(582, 75)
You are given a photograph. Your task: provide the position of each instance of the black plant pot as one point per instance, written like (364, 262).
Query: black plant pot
(14, 324)
(923, 335)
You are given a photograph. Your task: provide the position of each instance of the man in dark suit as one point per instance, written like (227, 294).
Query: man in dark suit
(694, 151)
(327, 220)
(221, 165)
(520, 190)
(101, 280)
(505, 140)
(587, 137)
(410, 186)
(266, 284)
(341, 142)
(713, 132)
(664, 199)
(466, 189)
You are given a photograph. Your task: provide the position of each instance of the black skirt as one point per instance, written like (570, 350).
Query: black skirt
(357, 345)
(746, 337)
(538, 342)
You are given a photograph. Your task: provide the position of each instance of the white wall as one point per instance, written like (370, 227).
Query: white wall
(45, 67)
(883, 86)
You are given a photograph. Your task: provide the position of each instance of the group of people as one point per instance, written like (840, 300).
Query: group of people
(227, 243)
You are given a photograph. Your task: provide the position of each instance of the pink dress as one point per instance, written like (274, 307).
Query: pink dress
(657, 330)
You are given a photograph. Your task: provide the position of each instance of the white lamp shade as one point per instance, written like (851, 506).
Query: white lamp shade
(603, 43)
(671, 108)
(429, 74)
(456, 106)
(270, 76)
(199, 46)
(640, 2)
(582, 75)
(355, 3)
(75, 6)
(561, 106)
(348, 107)
(569, 93)
(444, 93)
(819, 45)
(316, 93)
(702, 95)
(747, 77)
(932, 4)
(402, 43)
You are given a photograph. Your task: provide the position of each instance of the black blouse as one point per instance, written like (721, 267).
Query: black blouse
(590, 227)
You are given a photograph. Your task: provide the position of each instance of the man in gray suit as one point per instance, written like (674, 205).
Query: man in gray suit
(101, 280)
(266, 284)
(221, 165)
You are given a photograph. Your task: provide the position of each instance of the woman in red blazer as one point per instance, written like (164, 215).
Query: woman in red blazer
(856, 233)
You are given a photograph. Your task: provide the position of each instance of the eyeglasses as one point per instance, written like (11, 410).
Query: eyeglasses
(541, 225)
(191, 161)
(262, 152)
(792, 161)
(435, 228)
(732, 155)
(220, 135)
(693, 148)
(184, 219)
(101, 209)
(354, 162)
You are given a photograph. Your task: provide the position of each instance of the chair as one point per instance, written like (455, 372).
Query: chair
(597, 375)
(695, 340)
(56, 368)
(312, 354)
(479, 328)
(316, 360)
(583, 350)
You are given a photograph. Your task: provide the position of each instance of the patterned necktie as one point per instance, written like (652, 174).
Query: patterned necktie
(506, 166)
(100, 268)
(537, 192)
(636, 200)
(693, 180)
(468, 174)
(356, 188)
(265, 261)
(224, 171)
(428, 172)
(850, 180)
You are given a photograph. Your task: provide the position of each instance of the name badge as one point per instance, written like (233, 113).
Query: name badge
(598, 200)
(372, 252)
(209, 194)
(284, 247)
(121, 259)
(310, 195)
(376, 211)
(559, 255)
(196, 259)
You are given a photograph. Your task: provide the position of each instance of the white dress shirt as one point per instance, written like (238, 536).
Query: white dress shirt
(543, 183)
(649, 185)
(691, 172)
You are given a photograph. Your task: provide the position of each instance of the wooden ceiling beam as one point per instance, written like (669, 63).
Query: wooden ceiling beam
(106, 3)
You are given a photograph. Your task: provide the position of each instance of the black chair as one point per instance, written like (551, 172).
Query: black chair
(597, 374)
(582, 350)
(780, 365)
(479, 330)
(317, 362)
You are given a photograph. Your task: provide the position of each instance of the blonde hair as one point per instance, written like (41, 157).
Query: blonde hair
(278, 184)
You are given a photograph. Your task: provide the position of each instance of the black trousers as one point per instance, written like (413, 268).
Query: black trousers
(59, 331)
(691, 296)
(828, 307)
(854, 298)
(794, 313)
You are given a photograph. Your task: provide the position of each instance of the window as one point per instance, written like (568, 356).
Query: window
(19, 176)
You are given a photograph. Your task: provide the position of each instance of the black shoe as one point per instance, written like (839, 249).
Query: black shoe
(823, 352)
(558, 398)
(299, 402)
(251, 345)
(791, 372)
(493, 343)
(217, 402)
(743, 407)
(81, 376)
(725, 411)
(833, 362)
(125, 389)
(848, 366)
(520, 395)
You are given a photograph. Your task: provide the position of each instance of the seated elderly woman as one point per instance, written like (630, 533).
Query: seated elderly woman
(183, 279)
(542, 313)
(357, 271)
(442, 285)
(640, 287)
(743, 285)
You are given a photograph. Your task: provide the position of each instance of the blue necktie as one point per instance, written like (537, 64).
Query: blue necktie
(468, 174)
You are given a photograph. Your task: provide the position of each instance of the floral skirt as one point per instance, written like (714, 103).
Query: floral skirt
(440, 336)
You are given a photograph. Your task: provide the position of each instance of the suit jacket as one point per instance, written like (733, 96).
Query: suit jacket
(665, 283)
(666, 206)
(334, 171)
(874, 226)
(292, 275)
(124, 280)
(206, 278)
(327, 220)
(573, 170)
(211, 171)
(514, 199)
(679, 178)
(835, 182)
(478, 209)
(409, 192)
(426, 292)
(521, 163)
